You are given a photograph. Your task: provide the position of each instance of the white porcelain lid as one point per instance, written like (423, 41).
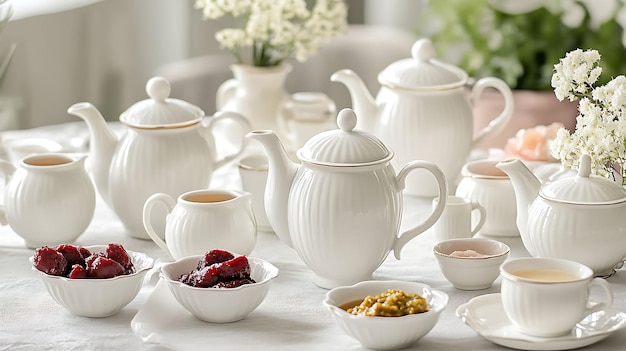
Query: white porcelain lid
(160, 110)
(422, 71)
(584, 188)
(344, 146)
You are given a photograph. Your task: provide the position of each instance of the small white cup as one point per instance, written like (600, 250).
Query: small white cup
(546, 297)
(456, 220)
(253, 173)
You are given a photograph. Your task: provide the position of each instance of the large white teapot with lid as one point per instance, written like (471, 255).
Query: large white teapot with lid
(341, 207)
(168, 147)
(423, 111)
(579, 217)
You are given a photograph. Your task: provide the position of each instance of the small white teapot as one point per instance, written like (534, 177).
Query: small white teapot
(168, 147)
(579, 217)
(341, 207)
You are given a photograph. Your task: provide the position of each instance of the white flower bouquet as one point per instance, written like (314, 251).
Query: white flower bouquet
(275, 30)
(601, 121)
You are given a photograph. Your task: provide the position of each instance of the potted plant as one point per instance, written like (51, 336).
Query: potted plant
(520, 42)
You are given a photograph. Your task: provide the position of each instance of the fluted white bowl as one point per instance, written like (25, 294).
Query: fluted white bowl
(471, 273)
(385, 333)
(98, 297)
(217, 305)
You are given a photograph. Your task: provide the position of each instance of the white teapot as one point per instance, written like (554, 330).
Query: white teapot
(579, 217)
(423, 111)
(168, 147)
(341, 207)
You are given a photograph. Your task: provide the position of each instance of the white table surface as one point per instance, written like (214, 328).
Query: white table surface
(291, 317)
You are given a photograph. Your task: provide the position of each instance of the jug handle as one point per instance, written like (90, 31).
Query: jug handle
(154, 199)
(498, 123)
(238, 119)
(437, 211)
(7, 169)
(225, 92)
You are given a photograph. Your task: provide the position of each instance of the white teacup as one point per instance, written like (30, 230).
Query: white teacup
(253, 173)
(546, 297)
(203, 220)
(456, 220)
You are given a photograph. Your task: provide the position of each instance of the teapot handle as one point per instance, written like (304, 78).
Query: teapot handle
(498, 123)
(154, 199)
(225, 93)
(238, 119)
(437, 211)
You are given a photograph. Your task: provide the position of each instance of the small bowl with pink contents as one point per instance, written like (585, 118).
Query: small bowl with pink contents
(471, 264)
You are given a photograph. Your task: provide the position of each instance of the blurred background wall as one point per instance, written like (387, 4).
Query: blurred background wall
(103, 51)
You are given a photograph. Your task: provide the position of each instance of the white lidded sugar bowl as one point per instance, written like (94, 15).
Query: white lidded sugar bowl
(340, 208)
(578, 217)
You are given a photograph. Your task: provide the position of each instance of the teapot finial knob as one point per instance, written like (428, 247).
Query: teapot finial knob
(584, 166)
(346, 119)
(158, 88)
(423, 50)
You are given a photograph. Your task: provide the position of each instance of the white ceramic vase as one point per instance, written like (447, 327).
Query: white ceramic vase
(257, 93)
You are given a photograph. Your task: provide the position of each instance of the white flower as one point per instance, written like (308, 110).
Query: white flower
(276, 29)
(601, 124)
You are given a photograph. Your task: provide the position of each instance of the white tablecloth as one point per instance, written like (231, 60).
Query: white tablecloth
(291, 317)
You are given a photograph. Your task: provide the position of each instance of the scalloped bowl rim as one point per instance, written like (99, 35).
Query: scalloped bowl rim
(270, 272)
(441, 297)
(135, 255)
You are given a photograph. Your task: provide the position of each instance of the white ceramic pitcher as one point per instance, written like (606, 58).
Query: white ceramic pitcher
(202, 220)
(49, 199)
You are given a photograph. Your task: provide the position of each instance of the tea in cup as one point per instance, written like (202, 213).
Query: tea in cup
(203, 220)
(546, 297)
(456, 220)
(253, 173)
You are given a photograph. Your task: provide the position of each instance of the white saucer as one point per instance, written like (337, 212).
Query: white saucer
(486, 316)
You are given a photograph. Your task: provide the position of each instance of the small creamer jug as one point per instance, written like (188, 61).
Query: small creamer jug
(49, 198)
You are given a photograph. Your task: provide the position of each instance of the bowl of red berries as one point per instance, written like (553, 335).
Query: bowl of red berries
(219, 286)
(91, 281)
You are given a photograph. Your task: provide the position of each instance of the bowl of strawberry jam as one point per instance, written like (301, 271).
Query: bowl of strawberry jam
(91, 281)
(219, 286)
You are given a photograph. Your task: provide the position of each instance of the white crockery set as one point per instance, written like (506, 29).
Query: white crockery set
(344, 191)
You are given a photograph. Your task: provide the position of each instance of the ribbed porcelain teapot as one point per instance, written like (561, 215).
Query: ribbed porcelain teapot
(580, 217)
(423, 111)
(168, 146)
(340, 208)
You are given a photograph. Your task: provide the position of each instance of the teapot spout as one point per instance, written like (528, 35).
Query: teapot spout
(281, 171)
(103, 143)
(363, 102)
(526, 186)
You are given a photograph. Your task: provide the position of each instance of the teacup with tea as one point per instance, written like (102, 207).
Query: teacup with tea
(546, 297)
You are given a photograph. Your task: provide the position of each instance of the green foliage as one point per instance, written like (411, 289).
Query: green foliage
(522, 49)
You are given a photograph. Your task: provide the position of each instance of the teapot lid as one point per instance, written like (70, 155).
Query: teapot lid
(344, 146)
(584, 188)
(161, 111)
(423, 71)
